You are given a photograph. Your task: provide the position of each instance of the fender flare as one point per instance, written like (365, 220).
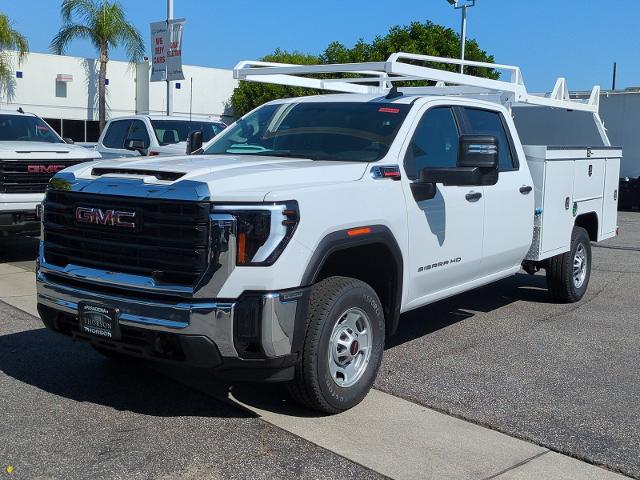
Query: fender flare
(340, 240)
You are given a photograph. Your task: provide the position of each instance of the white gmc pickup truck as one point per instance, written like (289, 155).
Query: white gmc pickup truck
(30, 154)
(287, 247)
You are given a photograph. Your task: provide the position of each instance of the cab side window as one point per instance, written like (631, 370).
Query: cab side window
(116, 134)
(486, 122)
(434, 144)
(138, 131)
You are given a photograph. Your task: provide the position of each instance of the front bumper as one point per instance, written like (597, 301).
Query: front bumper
(255, 337)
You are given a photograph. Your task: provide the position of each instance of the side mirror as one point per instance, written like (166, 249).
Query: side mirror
(478, 151)
(194, 142)
(423, 191)
(68, 140)
(135, 146)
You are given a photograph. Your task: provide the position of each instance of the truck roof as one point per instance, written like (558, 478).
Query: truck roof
(166, 117)
(16, 112)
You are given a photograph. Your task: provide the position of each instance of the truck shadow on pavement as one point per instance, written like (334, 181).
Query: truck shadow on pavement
(58, 366)
(441, 314)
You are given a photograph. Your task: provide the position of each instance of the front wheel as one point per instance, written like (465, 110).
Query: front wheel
(343, 346)
(568, 274)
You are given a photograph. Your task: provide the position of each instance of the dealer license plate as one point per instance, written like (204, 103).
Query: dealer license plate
(99, 320)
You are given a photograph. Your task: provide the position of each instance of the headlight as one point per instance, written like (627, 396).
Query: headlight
(263, 230)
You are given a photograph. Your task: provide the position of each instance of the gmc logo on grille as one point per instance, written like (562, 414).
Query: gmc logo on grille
(45, 168)
(109, 218)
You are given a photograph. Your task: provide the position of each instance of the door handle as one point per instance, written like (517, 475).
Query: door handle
(473, 196)
(526, 190)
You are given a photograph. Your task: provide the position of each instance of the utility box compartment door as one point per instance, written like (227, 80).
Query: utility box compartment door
(609, 222)
(588, 179)
(557, 205)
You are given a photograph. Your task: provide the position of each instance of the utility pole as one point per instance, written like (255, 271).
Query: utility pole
(169, 91)
(462, 5)
(615, 73)
(463, 35)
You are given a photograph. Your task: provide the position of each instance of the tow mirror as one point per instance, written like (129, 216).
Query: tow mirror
(135, 146)
(194, 142)
(478, 151)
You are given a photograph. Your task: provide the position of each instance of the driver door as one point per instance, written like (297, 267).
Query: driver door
(446, 231)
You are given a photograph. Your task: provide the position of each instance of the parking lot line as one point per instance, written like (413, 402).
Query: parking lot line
(387, 434)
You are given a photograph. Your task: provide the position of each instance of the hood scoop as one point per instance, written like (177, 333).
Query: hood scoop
(160, 175)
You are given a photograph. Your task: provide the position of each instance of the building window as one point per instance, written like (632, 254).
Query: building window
(61, 89)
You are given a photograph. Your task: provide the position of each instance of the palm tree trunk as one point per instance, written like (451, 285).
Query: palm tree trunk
(102, 77)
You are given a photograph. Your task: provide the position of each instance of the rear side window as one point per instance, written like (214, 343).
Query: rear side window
(116, 134)
(138, 131)
(435, 142)
(486, 122)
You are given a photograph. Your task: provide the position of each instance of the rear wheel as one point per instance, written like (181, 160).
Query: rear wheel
(568, 274)
(343, 346)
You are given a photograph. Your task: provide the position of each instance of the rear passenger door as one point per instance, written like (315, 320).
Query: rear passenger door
(445, 232)
(509, 204)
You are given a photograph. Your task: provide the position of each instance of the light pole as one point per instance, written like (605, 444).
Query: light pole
(462, 5)
(169, 91)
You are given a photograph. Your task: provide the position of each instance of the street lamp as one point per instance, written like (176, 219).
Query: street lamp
(462, 5)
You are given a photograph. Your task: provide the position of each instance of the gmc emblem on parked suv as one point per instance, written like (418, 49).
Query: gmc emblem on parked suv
(45, 168)
(109, 218)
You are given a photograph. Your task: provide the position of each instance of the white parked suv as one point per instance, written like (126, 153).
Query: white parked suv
(30, 154)
(152, 135)
(287, 249)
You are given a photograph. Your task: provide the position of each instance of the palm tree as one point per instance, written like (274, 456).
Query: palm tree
(10, 39)
(103, 23)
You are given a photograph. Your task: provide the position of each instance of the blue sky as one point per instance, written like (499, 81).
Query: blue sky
(547, 38)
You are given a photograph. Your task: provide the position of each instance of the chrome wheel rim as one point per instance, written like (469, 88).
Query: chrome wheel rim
(350, 347)
(580, 266)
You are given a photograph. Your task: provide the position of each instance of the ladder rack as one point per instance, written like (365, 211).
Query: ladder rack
(382, 75)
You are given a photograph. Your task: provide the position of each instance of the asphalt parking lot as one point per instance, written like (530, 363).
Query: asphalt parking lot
(562, 377)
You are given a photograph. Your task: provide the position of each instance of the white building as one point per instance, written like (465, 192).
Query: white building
(64, 91)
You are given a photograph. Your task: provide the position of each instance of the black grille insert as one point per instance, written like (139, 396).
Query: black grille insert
(30, 176)
(170, 242)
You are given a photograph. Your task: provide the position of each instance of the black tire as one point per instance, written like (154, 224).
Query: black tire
(560, 271)
(313, 385)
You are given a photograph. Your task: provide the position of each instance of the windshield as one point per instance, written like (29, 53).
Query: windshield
(25, 128)
(341, 131)
(174, 131)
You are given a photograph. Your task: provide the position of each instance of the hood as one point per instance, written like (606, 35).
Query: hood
(230, 178)
(39, 150)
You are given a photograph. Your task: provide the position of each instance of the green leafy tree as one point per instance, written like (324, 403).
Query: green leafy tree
(425, 38)
(10, 40)
(104, 24)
